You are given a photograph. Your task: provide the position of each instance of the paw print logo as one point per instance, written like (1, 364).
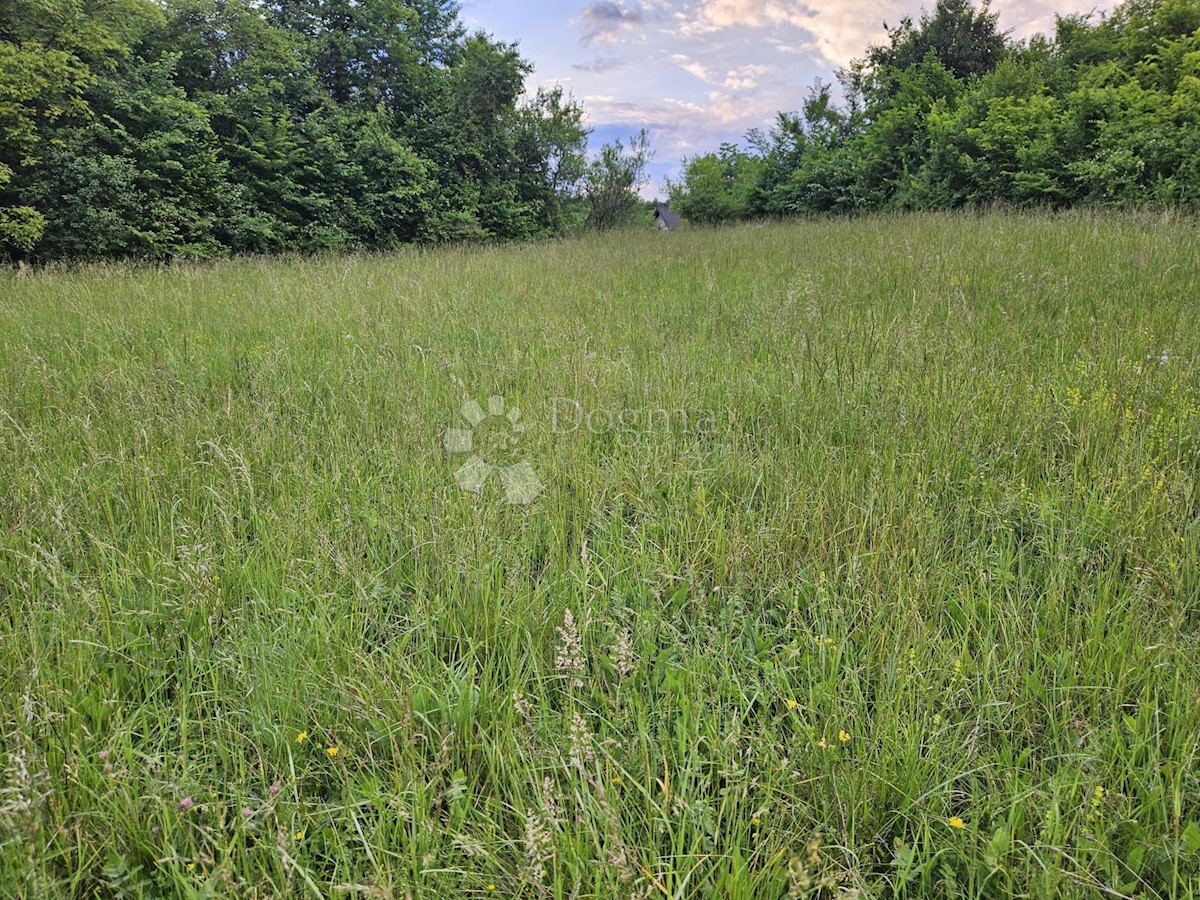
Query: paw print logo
(491, 435)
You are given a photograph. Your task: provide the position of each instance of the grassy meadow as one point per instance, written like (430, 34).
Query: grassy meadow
(852, 559)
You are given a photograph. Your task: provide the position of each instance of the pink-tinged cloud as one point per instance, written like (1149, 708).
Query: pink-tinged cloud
(841, 30)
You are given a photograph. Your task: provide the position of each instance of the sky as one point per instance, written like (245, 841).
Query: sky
(696, 73)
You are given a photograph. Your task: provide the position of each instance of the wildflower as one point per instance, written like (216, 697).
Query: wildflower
(332, 751)
(756, 821)
(539, 846)
(814, 850)
(103, 755)
(622, 654)
(551, 814)
(247, 812)
(275, 789)
(937, 718)
(956, 822)
(191, 866)
(822, 743)
(792, 704)
(523, 708)
(843, 735)
(570, 661)
(302, 737)
(582, 754)
(186, 803)
(617, 780)
(491, 887)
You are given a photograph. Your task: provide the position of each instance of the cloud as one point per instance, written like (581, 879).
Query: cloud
(837, 31)
(684, 126)
(690, 66)
(603, 21)
(601, 64)
(745, 77)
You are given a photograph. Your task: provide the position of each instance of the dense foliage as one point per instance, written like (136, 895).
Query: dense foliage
(950, 113)
(131, 128)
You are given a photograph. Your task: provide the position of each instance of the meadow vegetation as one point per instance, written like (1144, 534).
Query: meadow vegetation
(888, 584)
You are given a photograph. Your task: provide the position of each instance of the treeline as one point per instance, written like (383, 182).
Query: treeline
(163, 128)
(949, 112)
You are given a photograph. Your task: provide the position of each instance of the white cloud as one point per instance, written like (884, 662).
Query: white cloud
(691, 67)
(841, 30)
(745, 77)
(681, 127)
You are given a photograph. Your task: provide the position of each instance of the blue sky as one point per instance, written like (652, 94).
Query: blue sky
(695, 73)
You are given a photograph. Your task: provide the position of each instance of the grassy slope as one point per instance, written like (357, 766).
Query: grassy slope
(936, 484)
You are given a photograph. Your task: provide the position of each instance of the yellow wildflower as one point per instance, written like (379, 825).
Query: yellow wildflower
(302, 737)
(792, 704)
(956, 822)
(299, 835)
(332, 751)
(822, 743)
(191, 866)
(843, 735)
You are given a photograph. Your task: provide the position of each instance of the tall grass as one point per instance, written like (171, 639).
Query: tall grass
(867, 563)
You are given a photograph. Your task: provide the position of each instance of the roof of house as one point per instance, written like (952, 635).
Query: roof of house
(670, 219)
